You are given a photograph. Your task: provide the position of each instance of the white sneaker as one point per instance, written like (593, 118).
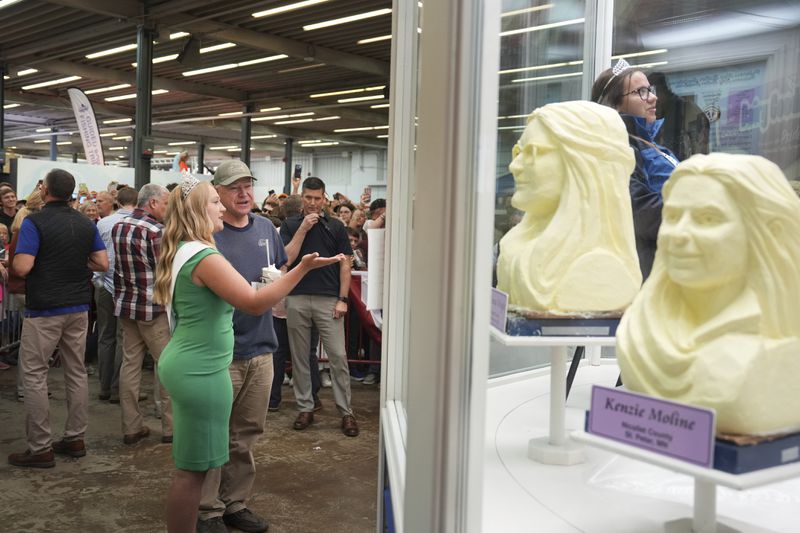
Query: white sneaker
(325, 378)
(370, 379)
(286, 380)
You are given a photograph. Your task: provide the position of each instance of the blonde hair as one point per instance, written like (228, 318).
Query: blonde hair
(186, 220)
(34, 203)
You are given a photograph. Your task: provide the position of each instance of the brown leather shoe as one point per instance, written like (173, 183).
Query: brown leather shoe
(73, 448)
(133, 438)
(349, 426)
(303, 420)
(39, 460)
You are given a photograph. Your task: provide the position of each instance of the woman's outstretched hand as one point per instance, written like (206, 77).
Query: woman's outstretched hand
(312, 261)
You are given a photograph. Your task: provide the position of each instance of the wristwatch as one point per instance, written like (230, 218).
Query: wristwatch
(344, 299)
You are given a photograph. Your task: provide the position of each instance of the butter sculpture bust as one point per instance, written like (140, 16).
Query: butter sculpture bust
(573, 253)
(717, 323)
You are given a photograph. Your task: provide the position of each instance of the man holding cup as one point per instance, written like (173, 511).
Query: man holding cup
(251, 244)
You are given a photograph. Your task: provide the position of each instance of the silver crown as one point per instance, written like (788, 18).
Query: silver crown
(188, 183)
(620, 66)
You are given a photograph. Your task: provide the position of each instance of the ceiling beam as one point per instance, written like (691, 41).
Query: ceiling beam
(249, 38)
(274, 43)
(58, 102)
(101, 73)
(42, 44)
(128, 9)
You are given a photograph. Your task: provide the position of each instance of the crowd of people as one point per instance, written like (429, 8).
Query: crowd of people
(188, 276)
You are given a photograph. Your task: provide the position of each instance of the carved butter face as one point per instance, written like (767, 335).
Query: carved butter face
(702, 238)
(538, 171)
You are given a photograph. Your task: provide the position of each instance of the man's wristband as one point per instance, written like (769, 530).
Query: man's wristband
(344, 299)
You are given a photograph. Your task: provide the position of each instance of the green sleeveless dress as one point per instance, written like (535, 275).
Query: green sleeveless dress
(194, 369)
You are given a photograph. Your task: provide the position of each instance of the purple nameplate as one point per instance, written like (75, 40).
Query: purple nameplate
(668, 428)
(499, 309)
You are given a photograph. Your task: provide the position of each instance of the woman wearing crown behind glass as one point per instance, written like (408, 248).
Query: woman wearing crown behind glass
(202, 287)
(626, 89)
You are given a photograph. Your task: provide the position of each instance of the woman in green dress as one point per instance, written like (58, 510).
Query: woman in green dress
(194, 365)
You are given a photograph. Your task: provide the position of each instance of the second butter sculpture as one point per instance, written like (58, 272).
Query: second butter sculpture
(573, 253)
(717, 323)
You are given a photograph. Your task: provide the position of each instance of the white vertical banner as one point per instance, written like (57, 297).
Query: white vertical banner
(87, 125)
(376, 257)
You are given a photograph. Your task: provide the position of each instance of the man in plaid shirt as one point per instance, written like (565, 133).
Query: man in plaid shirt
(137, 242)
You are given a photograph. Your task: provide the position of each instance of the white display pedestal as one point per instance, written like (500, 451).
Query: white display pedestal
(704, 518)
(556, 448)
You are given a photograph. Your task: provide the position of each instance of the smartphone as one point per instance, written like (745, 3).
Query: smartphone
(298, 171)
(271, 192)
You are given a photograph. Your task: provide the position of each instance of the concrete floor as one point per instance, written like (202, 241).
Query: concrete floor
(309, 481)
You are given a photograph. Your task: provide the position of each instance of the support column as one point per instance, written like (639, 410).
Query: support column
(74, 157)
(53, 145)
(201, 158)
(288, 166)
(3, 113)
(247, 130)
(144, 103)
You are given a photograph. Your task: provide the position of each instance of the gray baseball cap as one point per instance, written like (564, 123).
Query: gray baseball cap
(230, 171)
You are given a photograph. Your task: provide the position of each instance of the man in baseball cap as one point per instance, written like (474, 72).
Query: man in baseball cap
(230, 171)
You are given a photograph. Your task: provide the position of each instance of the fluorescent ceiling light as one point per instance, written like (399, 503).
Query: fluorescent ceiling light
(551, 77)
(272, 136)
(541, 67)
(230, 114)
(159, 151)
(543, 27)
(382, 136)
(310, 141)
(515, 128)
(107, 89)
(62, 143)
(181, 143)
(295, 69)
(513, 116)
(334, 117)
(360, 98)
(43, 130)
(378, 106)
(106, 134)
(27, 71)
(262, 60)
(640, 54)
(117, 120)
(348, 91)
(117, 148)
(222, 147)
(234, 150)
(650, 65)
(343, 130)
(162, 59)
(526, 10)
(345, 20)
(122, 138)
(287, 7)
(216, 47)
(11, 106)
(268, 109)
(210, 69)
(6, 3)
(59, 81)
(314, 145)
(130, 96)
(295, 121)
(171, 153)
(178, 35)
(374, 39)
(41, 141)
(276, 117)
(111, 51)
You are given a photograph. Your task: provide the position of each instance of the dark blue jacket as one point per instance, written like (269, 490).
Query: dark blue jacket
(654, 164)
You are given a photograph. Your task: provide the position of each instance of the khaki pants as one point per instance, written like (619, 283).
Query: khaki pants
(40, 337)
(139, 337)
(226, 489)
(301, 312)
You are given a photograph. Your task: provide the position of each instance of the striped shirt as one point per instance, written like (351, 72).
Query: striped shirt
(137, 241)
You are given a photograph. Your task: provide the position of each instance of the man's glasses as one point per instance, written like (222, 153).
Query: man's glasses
(643, 92)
